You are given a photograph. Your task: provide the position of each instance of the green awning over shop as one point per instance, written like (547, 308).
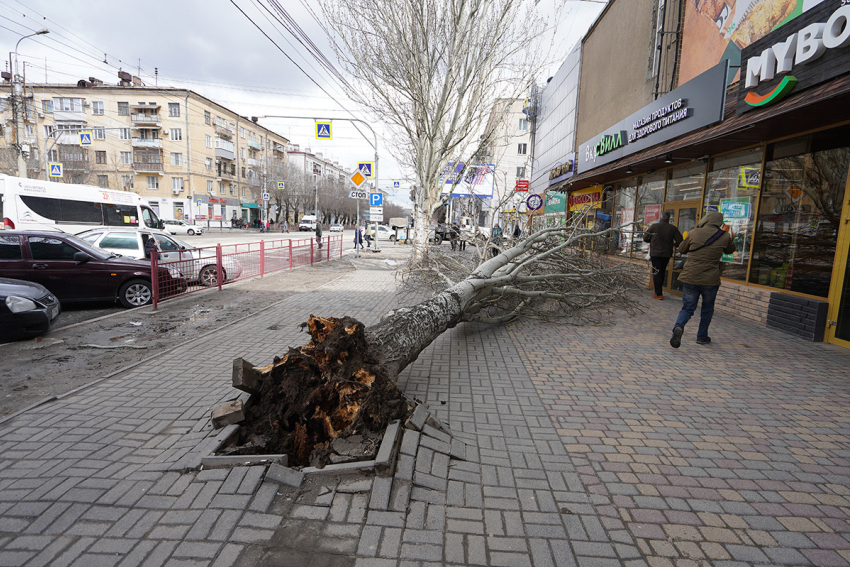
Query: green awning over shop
(251, 205)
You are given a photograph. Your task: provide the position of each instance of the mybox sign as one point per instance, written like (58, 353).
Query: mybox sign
(807, 51)
(696, 104)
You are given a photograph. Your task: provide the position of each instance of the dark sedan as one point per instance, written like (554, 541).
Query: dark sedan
(74, 270)
(27, 309)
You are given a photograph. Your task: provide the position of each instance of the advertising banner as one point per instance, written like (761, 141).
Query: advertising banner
(478, 181)
(719, 29)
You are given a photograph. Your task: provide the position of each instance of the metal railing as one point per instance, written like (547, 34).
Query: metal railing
(213, 266)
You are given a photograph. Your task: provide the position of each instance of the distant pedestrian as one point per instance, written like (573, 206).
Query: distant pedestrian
(662, 236)
(700, 276)
(454, 233)
(517, 232)
(358, 239)
(319, 233)
(285, 226)
(496, 240)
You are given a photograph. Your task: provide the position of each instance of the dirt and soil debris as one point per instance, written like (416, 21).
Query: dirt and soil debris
(326, 402)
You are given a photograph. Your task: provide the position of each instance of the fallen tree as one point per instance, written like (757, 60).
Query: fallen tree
(342, 382)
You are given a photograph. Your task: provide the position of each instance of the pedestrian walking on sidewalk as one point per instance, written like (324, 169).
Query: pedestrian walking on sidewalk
(358, 238)
(700, 276)
(319, 233)
(662, 236)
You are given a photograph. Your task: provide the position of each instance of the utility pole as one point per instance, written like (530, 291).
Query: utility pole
(19, 102)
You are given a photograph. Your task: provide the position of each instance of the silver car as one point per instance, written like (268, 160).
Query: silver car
(196, 265)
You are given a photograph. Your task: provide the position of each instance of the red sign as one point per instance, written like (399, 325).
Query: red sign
(652, 214)
(582, 199)
(522, 185)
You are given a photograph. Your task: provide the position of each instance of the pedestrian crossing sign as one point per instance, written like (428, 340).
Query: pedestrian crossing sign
(85, 139)
(366, 168)
(281, 185)
(324, 131)
(55, 169)
(396, 184)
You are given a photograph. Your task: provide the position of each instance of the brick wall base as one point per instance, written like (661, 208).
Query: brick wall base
(744, 302)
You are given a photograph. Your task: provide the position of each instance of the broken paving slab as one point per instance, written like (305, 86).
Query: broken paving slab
(284, 475)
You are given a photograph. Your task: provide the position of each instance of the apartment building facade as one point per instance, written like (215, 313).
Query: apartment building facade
(190, 157)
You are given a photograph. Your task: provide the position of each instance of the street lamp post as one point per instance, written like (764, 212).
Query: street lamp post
(17, 95)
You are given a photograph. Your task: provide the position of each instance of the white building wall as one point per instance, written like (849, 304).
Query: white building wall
(505, 152)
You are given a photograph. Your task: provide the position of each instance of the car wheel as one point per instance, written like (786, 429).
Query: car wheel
(190, 232)
(392, 238)
(135, 293)
(208, 276)
(438, 239)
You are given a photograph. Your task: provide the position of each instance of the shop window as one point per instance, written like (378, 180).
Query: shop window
(800, 211)
(685, 182)
(732, 186)
(623, 214)
(650, 194)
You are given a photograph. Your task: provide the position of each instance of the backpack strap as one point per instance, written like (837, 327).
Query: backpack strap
(710, 241)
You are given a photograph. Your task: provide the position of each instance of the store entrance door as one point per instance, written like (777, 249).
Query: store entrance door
(838, 320)
(684, 216)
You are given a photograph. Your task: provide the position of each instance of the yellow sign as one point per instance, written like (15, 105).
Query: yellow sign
(357, 178)
(584, 198)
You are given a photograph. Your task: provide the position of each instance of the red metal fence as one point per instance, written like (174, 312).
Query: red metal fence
(201, 268)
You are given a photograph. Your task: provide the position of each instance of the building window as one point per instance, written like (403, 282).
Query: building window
(30, 131)
(208, 162)
(97, 107)
(174, 109)
(53, 155)
(176, 159)
(177, 183)
(243, 172)
(521, 149)
(242, 152)
(243, 192)
(241, 132)
(520, 172)
(232, 127)
(98, 133)
(153, 182)
(208, 141)
(68, 104)
(126, 182)
(47, 106)
(176, 134)
(799, 214)
(232, 168)
(221, 187)
(124, 134)
(523, 123)
(126, 158)
(233, 189)
(103, 181)
(206, 117)
(100, 157)
(123, 109)
(209, 186)
(48, 131)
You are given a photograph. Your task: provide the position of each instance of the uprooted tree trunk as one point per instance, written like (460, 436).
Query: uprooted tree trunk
(342, 383)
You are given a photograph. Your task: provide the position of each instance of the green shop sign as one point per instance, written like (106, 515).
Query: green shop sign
(609, 143)
(555, 203)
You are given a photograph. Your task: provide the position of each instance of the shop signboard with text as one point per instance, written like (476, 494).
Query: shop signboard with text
(808, 51)
(695, 104)
(720, 29)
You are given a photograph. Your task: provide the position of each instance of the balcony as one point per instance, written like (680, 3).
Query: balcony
(146, 118)
(147, 143)
(139, 167)
(223, 132)
(225, 176)
(224, 153)
(69, 115)
(254, 182)
(255, 162)
(255, 145)
(279, 148)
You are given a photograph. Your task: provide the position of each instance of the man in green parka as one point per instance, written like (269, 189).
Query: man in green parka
(704, 246)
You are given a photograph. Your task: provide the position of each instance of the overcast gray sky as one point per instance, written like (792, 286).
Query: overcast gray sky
(208, 46)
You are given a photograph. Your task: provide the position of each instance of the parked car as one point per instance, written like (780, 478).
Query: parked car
(384, 232)
(74, 270)
(182, 227)
(336, 228)
(27, 309)
(196, 265)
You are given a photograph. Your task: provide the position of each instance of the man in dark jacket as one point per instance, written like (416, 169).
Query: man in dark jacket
(704, 246)
(662, 237)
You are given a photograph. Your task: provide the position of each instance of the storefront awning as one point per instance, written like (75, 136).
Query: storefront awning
(251, 205)
(818, 107)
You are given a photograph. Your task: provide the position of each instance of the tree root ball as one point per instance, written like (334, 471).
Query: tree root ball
(330, 388)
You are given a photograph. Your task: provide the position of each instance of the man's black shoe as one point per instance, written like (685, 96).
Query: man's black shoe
(705, 341)
(676, 339)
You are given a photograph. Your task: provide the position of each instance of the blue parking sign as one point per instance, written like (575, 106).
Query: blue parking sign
(376, 199)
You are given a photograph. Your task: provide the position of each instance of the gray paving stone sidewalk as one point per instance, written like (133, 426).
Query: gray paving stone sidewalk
(559, 449)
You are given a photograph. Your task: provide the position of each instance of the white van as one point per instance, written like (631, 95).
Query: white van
(308, 223)
(32, 204)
